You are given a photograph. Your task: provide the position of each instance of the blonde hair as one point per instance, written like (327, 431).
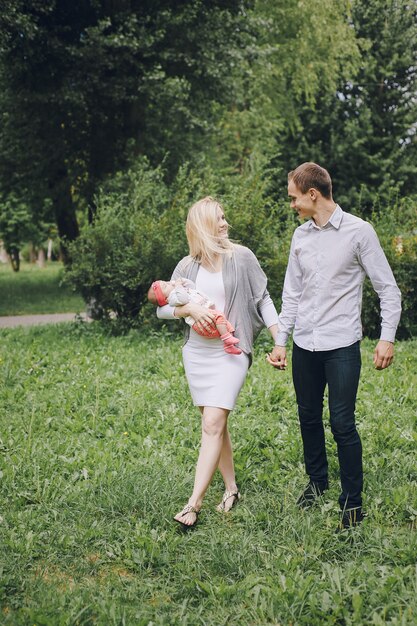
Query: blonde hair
(202, 232)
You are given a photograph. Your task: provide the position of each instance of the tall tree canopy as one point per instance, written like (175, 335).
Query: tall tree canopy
(87, 87)
(365, 130)
(87, 84)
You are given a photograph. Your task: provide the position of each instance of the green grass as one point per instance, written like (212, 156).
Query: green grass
(98, 444)
(35, 290)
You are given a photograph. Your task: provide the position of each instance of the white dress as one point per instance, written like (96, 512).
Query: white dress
(215, 377)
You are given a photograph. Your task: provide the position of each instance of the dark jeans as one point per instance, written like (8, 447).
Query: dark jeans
(340, 370)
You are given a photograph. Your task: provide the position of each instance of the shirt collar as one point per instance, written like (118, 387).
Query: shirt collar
(335, 219)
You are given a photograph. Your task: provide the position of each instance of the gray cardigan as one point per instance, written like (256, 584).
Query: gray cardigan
(245, 286)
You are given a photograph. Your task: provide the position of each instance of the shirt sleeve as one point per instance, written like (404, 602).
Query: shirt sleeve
(290, 297)
(268, 311)
(374, 262)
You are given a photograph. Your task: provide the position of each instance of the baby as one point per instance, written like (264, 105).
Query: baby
(182, 291)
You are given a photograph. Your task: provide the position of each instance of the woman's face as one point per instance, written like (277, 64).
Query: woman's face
(223, 226)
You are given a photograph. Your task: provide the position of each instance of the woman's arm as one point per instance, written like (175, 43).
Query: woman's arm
(269, 315)
(166, 312)
(203, 317)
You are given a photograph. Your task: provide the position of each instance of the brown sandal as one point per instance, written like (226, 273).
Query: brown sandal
(228, 494)
(187, 509)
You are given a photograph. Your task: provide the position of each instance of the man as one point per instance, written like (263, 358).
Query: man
(322, 297)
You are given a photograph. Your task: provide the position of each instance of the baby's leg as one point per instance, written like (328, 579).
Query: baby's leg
(221, 327)
(225, 331)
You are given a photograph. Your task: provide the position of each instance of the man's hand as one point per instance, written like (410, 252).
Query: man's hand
(383, 355)
(278, 357)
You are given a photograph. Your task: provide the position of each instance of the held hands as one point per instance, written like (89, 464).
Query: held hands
(278, 357)
(383, 355)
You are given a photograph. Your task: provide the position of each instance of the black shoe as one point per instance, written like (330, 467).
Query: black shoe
(351, 518)
(310, 494)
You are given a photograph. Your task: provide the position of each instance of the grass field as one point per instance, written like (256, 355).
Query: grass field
(34, 290)
(98, 444)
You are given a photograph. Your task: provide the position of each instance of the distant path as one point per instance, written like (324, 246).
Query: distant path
(33, 320)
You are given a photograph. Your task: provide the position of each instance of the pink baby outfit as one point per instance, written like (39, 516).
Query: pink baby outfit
(182, 294)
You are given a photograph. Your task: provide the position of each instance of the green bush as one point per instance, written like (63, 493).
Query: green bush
(139, 235)
(131, 242)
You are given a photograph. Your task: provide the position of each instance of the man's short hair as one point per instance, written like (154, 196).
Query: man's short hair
(308, 175)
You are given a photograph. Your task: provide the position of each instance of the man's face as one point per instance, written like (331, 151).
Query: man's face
(302, 203)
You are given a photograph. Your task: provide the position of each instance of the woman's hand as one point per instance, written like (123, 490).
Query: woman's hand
(204, 318)
(278, 357)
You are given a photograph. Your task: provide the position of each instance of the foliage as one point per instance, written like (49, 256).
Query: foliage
(99, 447)
(396, 228)
(86, 85)
(19, 225)
(136, 232)
(301, 51)
(364, 131)
(139, 235)
(36, 290)
(88, 88)
(16, 227)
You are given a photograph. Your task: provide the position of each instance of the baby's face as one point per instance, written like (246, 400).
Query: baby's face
(166, 287)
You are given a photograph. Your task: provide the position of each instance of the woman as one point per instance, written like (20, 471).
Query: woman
(233, 279)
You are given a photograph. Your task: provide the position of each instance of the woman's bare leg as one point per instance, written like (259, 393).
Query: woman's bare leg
(214, 425)
(226, 468)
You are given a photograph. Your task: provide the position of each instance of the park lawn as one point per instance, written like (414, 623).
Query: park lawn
(98, 444)
(35, 290)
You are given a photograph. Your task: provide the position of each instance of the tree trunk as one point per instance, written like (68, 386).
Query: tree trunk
(14, 258)
(64, 210)
(41, 257)
(32, 253)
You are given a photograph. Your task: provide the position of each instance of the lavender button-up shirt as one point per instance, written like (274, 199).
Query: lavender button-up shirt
(322, 296)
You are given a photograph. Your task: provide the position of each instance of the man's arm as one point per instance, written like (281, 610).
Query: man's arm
(286, 319)
(376, 266)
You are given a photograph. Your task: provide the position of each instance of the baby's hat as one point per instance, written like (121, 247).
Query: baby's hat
(160, 298)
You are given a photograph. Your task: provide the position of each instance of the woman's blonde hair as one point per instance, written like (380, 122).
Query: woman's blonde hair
(202, 230)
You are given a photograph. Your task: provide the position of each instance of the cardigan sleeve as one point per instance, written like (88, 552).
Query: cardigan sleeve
(258, 288)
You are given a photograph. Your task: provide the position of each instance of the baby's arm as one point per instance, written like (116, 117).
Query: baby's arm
(199, 297)
(178, 296)
(187, 283)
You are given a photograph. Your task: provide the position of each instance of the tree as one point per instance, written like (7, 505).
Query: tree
(302, 51)
(16, 227)
(86, 86)
(364, 132)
